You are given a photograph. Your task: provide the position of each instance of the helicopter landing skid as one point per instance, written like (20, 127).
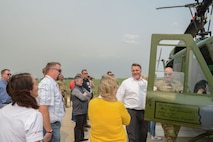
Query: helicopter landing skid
(208, 133)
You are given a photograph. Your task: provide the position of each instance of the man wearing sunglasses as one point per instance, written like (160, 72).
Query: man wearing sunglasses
(51, 102)
(4, 97)
(168, 84)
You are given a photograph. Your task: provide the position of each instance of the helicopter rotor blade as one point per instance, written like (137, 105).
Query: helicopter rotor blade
(187, 5)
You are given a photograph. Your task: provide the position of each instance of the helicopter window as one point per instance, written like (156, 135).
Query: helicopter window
(169, 82)
(197, 84)
(169, 42)
(175, 59)
(207, 57)
(201, 87)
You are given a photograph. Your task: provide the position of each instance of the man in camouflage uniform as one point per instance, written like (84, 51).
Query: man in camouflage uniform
(63, 88)
(169, 85)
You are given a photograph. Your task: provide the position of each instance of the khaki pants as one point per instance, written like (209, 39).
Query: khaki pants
(170, 132)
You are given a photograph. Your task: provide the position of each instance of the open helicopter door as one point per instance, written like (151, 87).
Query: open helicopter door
(191, 66)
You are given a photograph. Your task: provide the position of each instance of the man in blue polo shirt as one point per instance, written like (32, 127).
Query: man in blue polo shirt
(4, 97)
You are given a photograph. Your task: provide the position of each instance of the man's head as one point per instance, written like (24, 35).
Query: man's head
(5, 74)
(110, 74)
(168, 74)
(78, 79)
(61, 77)
(53, 69)
(136, 71)
(84, 73)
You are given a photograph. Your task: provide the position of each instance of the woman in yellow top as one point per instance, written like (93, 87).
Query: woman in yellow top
(107, 116)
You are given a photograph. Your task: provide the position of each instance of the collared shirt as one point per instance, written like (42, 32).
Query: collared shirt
(133, 93)
(49, 95)
(4, 97)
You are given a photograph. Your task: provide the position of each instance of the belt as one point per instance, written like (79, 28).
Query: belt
(135, 109)
(55, 122)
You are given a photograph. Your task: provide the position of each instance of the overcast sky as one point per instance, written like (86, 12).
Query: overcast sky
(98, 35)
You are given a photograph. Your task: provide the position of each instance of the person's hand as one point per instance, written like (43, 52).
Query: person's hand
(84, 94)
(47, 137)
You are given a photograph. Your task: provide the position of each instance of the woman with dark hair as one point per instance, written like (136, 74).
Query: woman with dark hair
(20, 120)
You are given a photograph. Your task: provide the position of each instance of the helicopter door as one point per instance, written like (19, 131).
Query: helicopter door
(179, 106)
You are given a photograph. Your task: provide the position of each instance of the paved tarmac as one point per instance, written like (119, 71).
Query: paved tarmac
(185, 134)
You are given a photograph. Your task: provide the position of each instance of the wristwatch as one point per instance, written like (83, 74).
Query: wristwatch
(50, 131)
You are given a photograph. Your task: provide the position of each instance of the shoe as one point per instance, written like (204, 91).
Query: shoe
(148, 134)
(156, 138)
(83, 140)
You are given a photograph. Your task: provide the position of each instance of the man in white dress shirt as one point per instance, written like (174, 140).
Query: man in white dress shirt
(132, 92)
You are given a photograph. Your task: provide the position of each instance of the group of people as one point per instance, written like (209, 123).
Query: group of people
(33, 112)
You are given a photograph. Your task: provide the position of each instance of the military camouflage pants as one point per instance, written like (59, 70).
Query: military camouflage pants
(65, 99)
(170, 132)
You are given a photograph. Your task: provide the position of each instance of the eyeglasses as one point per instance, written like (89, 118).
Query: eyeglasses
(59, 70)
(167, 74)
(9, 74)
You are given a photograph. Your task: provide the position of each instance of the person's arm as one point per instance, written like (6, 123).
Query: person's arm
(46, 121)
(120, 93)
(78, 94)
(4, 97)
(124, 115)
(88, 94)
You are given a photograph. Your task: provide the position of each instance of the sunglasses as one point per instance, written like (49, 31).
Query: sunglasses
(167, 74)
(59, 70)
(9, 74)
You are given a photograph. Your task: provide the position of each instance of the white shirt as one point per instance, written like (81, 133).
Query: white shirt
(133, 93)
(20, 124)
(50, 95)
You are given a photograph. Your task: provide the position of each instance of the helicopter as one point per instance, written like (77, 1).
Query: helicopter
(191, 58)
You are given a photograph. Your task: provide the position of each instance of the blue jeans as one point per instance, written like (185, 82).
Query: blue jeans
(56, 136)
(73, 117)
(151, 127)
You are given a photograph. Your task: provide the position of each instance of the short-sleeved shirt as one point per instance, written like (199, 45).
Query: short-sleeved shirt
(20, 124)
(49, 95)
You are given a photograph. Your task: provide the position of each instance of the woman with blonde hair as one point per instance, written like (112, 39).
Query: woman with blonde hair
(107, 115)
